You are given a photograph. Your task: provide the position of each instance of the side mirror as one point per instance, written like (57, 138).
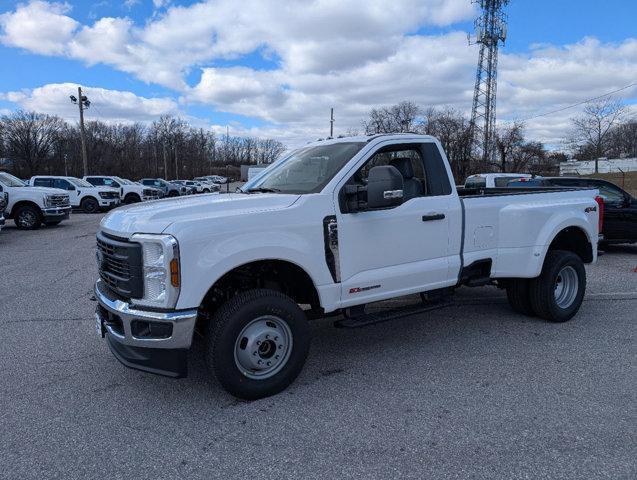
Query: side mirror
(384, 187)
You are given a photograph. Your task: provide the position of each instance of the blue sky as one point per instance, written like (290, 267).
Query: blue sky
(272, 68)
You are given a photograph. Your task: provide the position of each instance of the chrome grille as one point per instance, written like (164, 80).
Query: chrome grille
(109, 195)
(120, 265)
(59, 200)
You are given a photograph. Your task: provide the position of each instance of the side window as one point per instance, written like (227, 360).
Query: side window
(109, 182)
(437, 176)
(567, 182)
(502, 181)
(610, 194)
(42, 182)
(61, 183)
(95, 181)
(407, 159)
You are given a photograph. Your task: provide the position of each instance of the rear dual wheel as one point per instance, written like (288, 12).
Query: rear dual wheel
(557, 294)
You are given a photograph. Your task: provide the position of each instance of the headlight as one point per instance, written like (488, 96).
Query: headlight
(160, 269)
(106, 194)
(48, 201)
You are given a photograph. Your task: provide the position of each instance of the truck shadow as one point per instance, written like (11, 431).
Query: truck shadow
(395, 347)
(621, 248)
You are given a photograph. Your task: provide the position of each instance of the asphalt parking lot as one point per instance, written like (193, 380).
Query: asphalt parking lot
(470, 391)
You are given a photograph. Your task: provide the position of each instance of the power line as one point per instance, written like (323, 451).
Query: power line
(579, 103)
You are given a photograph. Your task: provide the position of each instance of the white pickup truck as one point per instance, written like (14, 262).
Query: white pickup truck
(83, 195)
(329, 228)
(3, 205)
(129, 192)
(30, 207)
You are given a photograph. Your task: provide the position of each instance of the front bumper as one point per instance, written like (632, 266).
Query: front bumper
(132, 343)
(56, 213)
(109, 202)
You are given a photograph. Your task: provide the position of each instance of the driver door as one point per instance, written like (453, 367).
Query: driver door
(399, 250)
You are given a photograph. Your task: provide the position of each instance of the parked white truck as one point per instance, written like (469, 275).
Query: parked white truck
(82, 194)
(3, 205)
(129, 192)
(329, 228)
(30, 207)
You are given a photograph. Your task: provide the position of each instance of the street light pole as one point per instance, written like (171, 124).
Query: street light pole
(83, 102)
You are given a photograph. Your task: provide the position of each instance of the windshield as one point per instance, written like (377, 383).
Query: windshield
(10, 181)
(78, 182)
(123, 181)
(306, 170)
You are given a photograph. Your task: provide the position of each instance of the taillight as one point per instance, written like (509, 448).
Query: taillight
(600, 207)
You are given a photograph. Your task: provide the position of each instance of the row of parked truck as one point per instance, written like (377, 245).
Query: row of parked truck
(48, 200)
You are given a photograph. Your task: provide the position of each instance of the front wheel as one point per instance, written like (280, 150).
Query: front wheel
(89, 205)
(557, 294)
(28, 218)
(132, 198)
(257, 343)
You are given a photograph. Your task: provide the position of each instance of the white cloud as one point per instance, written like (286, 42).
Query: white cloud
(39, 27)
(106, 105)
(349, 54)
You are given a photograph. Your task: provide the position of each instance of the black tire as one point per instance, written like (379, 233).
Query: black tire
(229, 323)
(132, 198)
(90, 205)
(52, 223)
(173, 193)
(518, 294)
(27, 217)
(544, 288)
(205, 190)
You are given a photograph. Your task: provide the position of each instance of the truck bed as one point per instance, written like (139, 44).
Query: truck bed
(464, 192)
(514, 226)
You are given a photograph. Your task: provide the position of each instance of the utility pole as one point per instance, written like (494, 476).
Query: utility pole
(83, 102)
(332, 122)
(491, 29)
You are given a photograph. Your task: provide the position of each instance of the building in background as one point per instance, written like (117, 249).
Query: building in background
(604, 165)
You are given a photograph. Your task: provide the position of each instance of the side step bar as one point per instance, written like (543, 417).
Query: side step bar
(361, 319)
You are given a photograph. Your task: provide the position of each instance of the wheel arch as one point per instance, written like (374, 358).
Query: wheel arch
(88, 197)
(277, 274)
(573, 239)
(133, 194)
(23, 203)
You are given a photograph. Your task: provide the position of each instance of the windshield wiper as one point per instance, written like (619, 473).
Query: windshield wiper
(262, 190)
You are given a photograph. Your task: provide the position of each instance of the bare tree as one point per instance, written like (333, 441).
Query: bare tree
(508, 140)
(591, 130)
(30, 139)
(403, 117)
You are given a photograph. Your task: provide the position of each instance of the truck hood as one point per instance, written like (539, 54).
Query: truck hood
(44, 190)
(156, 216)
(100, 188)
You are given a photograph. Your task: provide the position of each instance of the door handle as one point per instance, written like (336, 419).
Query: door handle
(433, 216)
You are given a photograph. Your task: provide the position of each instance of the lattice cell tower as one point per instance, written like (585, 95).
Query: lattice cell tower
(490, 30)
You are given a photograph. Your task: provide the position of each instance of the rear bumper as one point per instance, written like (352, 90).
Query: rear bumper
(130, 331)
